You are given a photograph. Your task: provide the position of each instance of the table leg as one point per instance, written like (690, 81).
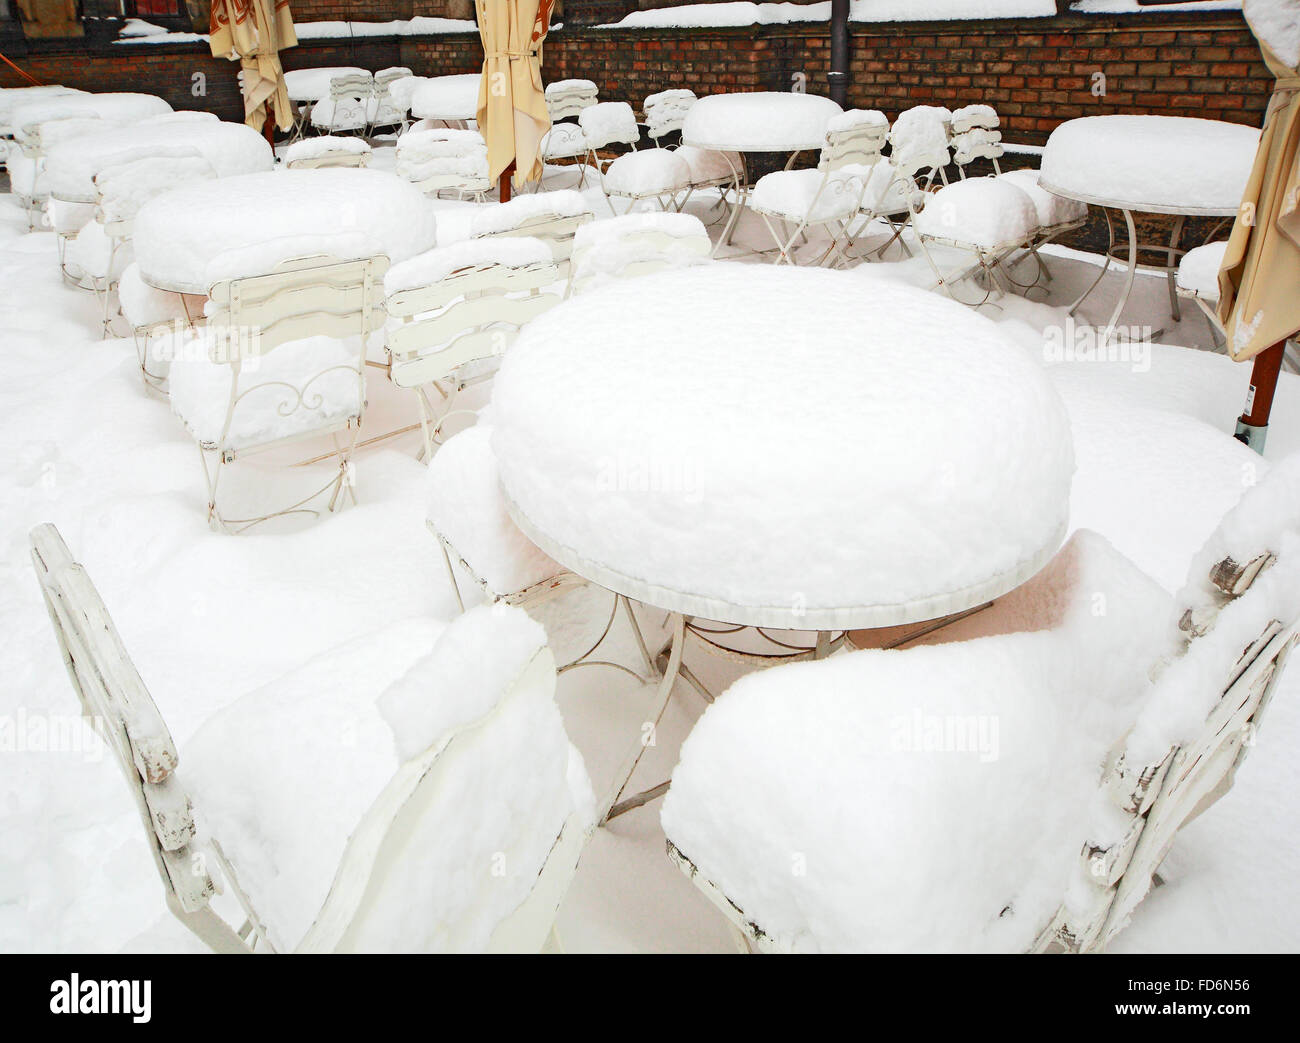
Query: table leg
(1171, 267)
(1122, 303)
(613, 806)
(1105, 267)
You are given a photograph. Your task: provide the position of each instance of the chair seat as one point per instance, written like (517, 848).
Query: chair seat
(466, 507)
(650, 172)
(91, 254)
(303, 391)
(1198, 271)
(794, 194)
(930, 799)
(564, 141)
(983, 213)
(710, 166)
(1052, 209)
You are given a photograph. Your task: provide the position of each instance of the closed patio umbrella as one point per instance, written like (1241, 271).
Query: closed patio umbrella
(512, 114)
(1259, 281)
(256, 31)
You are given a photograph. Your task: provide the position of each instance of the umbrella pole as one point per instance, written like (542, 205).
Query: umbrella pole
(505, 182)
(1252, 425)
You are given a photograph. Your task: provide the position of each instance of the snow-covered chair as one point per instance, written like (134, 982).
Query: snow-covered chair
(101, 251)
(468, 516)
(391, 109)
(604, 124)
(975, 134)
(26, 158)
(1198, 279)
(1020, 767)
(396, 848)
(445, 160)
(454, 310)
(636, 244)
(303, 328)
(665, 114)
(553, 217)
(351, 105)
(659, 174)
(987, 217)
(1056, 214)
(327, 150)
(565, 100)
(829, 196)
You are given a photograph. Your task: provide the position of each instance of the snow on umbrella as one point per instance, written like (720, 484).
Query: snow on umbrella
(256, 31)
(512, 114)
(1257, 301)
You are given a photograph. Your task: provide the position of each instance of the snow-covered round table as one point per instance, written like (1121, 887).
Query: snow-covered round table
(452, 99)
(789, 448)
(760, 121)
(187, 239)
(1168, 165)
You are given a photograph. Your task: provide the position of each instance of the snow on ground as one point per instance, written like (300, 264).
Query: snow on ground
(209, 618)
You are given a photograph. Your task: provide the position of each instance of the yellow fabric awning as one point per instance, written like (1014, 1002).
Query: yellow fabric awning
(1259, 281)
(512, 114)
(257, 31)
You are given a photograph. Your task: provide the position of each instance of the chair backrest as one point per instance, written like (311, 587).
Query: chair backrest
(609, 123)
(471, 313)
(388, 849)
(567, 98)
(114, 699)
(303, 297)
(1240, 624)
(975, 135)
(353, 86)
(636, 244)
(854, 139)
(386, 76)
(555, 223)
(666, 111)
(919, 141)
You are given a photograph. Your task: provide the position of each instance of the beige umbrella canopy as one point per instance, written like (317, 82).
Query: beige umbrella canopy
(512, 114)
(256, 31)
(1259, 282)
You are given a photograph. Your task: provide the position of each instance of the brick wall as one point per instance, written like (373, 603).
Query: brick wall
(1037, 73)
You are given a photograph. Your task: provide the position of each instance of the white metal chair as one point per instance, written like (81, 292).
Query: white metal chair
(553, 217)
(457, 308)
(391, 109)
(636, 244)
(989, 218)
(665, 114)
(281, 359)
(327, 150)
(565, 100)
(657, 174)
(1081, 635)
(351, 105)
(122, 189)
(829, 196)
(390, 859)
(445, 160)
(157, 319)
(604, 124)
(975, 134)
(1056, 216)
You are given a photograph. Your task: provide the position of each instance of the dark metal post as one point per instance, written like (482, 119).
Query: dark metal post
(839, 72)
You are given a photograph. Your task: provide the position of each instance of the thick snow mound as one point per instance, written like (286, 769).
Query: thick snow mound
(765, 121)
(1151, 162)
(985, 212)
(446, 97)
(465, 507)
(675, 449)
(930, 799)
(504, 217)
(125, 187)
(609, 123)
(650, 172)
(27, 118)
(314, 148)
(1052, 209)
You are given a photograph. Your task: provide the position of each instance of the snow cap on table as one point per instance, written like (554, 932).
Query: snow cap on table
(504, 217)
(759, 121)
(471, 668)
(435, 265)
